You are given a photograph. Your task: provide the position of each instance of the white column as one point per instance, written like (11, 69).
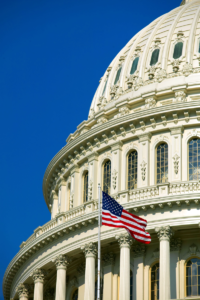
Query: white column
(146, 282)
(164, 234)
(74, 194)
(54, 201)
(93, 175)
(144, 161)
(108, 260)
(38, 276)
(138, 252)
(61, 263)
(125, 242)
(115, 287)
(176, 142)
(62, 195)
(116, 167)
(23, 290)
(90, 251)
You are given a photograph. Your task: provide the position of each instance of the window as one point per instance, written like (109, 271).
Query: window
(104, 89)
(117, 75)
(193, 277)
(178, 50)
(132, 170)
(194, 159)
(199, 46)
(162, 163)
(134, 65)
(85, 187)
(75, 295)
(154, 57)
(155, 282)
(131, 285)
(107, 177)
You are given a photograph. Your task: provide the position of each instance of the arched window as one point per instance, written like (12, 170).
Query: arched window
(199, 46)
(154, 57)
(75, 295)
(194, 159)
(155, 282)
(132, 170)
(134, 65)
(178, 50)
(107, 177)
(85, 187)
(162, 163)
(131, 285)
(117, 75)
(104, 89)
(193, 277)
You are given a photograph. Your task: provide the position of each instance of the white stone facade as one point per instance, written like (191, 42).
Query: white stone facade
(158, 104)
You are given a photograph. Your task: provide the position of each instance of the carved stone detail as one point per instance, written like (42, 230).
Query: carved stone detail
(139, 250)
(108, 258)
(89, 249)
(91, 114)
(143, 170)
(164, 233)
(176, 65)
(71, 201)
(187, 69)
(101, 121)
(114, 179)
(61, 261)
(150, 102)
(23, 290)
(102, 102)
(124, 240)
(180, 96)
(176, 163)
(161, 75)
(38, 275)
(193, 249)
(90, 190)
(175, 244)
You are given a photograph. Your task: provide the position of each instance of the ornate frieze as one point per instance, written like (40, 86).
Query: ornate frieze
(89, 249)
(139, 250)
(90, 190)
(102, 102)
(187, 69)
(114, 179)
(164, 232)
(150, 102)
(180, 96)
(61, 261)
(175, 244)
(108, 258)
(39, 275)
(23, 290)
(143, 170)
(124, 240)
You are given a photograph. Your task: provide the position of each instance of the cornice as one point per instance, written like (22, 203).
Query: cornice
(112, 124)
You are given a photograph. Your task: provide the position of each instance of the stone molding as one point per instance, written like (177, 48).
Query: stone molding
(90, 250)
(23, 290)
(39, 275)
(139, 250)
(124, 240)
(61, 261)
(164, 232)
(176, 130)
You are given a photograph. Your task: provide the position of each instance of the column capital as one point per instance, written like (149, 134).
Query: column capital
(145, 137)
(23, 290)
(164, 233)
(139, 250)
(61, 261)
(124, 240)
(90, 250)
(38, 275)
(108, 258)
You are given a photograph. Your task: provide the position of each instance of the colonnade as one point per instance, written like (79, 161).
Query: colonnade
(90, 250)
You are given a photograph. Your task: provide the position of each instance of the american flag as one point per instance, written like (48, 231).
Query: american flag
(114, 215)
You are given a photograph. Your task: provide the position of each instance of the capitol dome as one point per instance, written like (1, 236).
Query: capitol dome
(141, 143)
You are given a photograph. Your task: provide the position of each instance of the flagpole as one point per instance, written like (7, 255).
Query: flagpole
(99, 242)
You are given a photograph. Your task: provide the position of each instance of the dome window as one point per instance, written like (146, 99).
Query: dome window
(199, 46)
(154, 57)
(134, 65)
(117, 75)
(178, 50)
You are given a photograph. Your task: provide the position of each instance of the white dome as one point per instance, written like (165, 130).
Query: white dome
(182, 24)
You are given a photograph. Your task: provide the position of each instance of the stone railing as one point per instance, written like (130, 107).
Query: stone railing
(184, 187)
(173, 188)
(143, 193)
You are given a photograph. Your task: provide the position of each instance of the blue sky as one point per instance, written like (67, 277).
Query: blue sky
(52, 55)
